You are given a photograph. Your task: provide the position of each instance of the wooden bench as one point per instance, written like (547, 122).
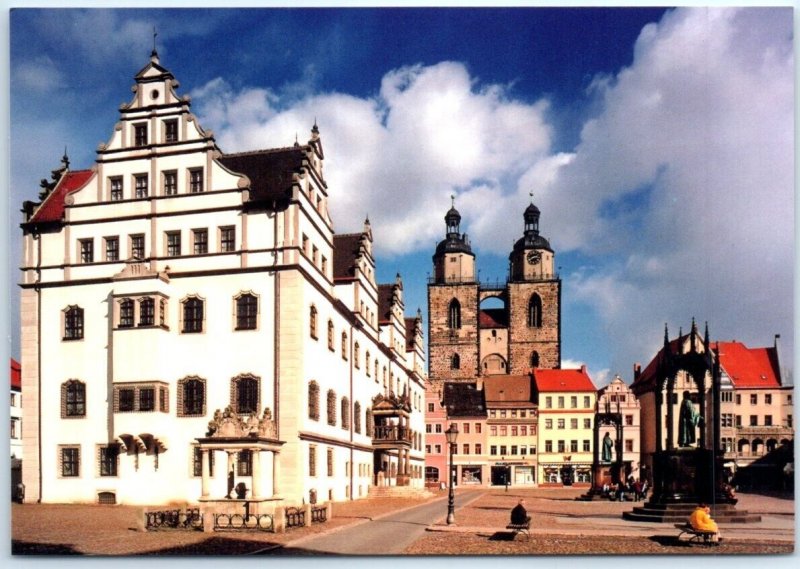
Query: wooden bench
(696, 536)
(521, 528)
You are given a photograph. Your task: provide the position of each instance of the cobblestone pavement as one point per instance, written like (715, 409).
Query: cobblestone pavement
(561, 526)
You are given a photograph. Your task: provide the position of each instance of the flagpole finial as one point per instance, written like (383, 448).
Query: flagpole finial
(452, 200)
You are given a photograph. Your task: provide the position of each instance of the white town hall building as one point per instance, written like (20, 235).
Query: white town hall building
(192, 326)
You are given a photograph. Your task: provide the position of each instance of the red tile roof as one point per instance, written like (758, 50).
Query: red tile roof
(550, 380)
(16, 375)
(749, 367)
(52, 208)
(492, 318)
(507, 389)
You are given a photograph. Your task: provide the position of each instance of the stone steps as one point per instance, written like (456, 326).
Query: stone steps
(670, 513)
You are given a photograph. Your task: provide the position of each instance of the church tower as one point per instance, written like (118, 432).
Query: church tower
(534, 296)
(453, 307)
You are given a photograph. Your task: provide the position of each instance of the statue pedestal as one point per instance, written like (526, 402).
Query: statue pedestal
(685, 475)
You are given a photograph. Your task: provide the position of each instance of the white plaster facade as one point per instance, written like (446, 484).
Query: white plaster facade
(189, 264)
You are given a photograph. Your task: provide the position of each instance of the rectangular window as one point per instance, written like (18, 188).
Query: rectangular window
(330, 462)
(548, 423)
(788, 420)
(573, 446)
(586, 447)
(200, 239)
(147, 308)
(587, 423)
(465, 449)
(548, 402)
(548, 446)
(754, 399)
(171, 131)
(493, 430)
(87, 250)
(197, 462)
(523, 450)
(573, 402)
(767, 420)
(628, 445)
(503, 450)
(629, 419)
(726, 396)
(14, 434)
(430, 407)
(523, 431)
(428, 428)
(477, 428)
(170, 183)
(438, 427)
(465, 428)
(427, 449)
(195, 181)
(126, 313)
(112, 248)
(562, 446)
(173, 243)
(312, 460)
(141, 186)
(767, 399)
(116, 189)
(478, 448)
(513, 450)
(438, 449)
(147, 399)
(503, 431)
(244, 463)
(493, 450)
(738, 420)
(753, 420)
(561, 423)
(573, 423)
(137, 246)
(560, 401)
(70, 461)
(587, 402)
(514, 431)
(738, 398)
(108, 460)
(140, 135)
(126, 399)
(502, 413)
(227, 239)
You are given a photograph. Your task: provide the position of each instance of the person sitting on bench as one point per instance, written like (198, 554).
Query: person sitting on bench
(700, 520)
(519, 515)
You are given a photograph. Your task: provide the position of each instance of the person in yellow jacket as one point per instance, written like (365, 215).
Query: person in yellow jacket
(701, 521)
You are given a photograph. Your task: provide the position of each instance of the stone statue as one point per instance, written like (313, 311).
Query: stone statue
(608, 445)
(687, 422)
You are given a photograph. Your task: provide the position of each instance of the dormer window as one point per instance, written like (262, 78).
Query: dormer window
(171, 131)
(140, 135)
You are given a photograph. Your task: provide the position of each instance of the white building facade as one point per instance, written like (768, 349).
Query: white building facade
(172, 289)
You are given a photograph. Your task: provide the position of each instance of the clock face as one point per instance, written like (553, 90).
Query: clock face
(534, 257)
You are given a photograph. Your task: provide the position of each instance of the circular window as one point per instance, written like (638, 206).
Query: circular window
(154, 94)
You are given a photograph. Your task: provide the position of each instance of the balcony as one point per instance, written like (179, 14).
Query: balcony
(391, 436)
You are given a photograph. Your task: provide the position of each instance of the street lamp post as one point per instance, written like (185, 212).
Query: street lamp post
(452, 438)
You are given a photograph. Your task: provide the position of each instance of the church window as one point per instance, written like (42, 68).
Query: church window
(313, 401)
(330, 335)
(535, 311)
(73, 323)
(191, 394)
(170, 183)
(73, 399)
(345, 413)
(332, 408)
(455, 362)
(312, 322)
(246, 312)
(140, 184)
(244, 394)
(454, 315)
(192, 315)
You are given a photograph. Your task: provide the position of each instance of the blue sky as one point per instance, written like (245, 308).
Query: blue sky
(659, 144)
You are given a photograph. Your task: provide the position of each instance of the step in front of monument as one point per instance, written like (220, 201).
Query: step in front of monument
(671, 513)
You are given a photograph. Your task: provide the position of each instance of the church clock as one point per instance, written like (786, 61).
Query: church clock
(534, 257)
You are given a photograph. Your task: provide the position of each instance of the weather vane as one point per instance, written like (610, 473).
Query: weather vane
(452, 200)
(154, 39)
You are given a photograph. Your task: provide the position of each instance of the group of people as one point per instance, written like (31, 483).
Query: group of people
(633, 489)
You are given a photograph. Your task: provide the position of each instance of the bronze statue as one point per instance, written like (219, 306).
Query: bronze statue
(608, 444)
(687, 422)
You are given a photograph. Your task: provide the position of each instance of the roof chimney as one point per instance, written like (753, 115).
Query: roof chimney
(583, 368)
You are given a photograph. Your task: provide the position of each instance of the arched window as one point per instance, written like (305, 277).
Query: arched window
(126, 313)
(313, 401)
(332, 407)
(345, 413)
(455, 361)
(192, 315)
(454, 315)
(356, 351)
(73, 399)
(330, 335)
(357, 417)
(191, 397)
(245, 394)
(147, 311)
(344, 345)
(73, 323)
(312, 322)
(246, 312)
(534, 359)
(535, 311)
(370, 423)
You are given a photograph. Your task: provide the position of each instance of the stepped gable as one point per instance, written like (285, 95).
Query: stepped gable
(492, 318)
(749, 368)
(271, 172)
(52, 208)
(512, 391)
(385, 297)
(411, 332)
(464, 399)
(346, 250)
